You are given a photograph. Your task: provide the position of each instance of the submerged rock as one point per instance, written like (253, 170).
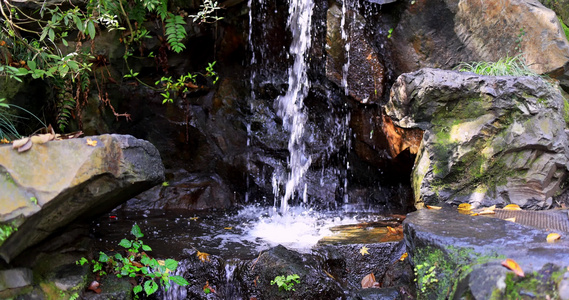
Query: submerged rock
(488, 140)
(58, 182)
(456, 255)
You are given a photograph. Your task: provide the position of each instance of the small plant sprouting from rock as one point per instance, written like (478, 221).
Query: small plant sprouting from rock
(286, 282)
(137, 264)
(509, 66)
(427, 276)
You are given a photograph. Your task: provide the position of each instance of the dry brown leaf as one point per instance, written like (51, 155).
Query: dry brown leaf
(553, 237)
(203, 256)
(42, 138)
(391, 230)
(27, 146)
(19, 143)
(511, 219)
(369, 281)
(434, 207)
(403, 256)
(513, 265)
(512, 207)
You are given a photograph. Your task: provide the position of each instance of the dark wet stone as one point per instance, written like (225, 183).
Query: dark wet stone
(349, 266)
(465, 248)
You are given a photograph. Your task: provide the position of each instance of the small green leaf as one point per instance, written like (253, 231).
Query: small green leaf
(171, 264)
(150, 287)
(125, 243)
(136, 231)
(179, 280)
(146, 248)
(137, 289)
(103, 257)
(91, 29)
(31, 64)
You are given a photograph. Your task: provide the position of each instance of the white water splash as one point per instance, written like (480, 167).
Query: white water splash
(290, 106)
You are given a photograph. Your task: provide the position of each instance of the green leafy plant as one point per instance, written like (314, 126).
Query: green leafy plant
(206, 15)
(286, 282)
(137, 264)
(8, 121)
(508, 66)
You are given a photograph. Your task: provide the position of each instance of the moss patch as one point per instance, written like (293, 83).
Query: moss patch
(438, 273)
(541, 284)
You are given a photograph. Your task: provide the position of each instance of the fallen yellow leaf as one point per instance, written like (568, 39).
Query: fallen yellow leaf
(465, 206)
(91, 143)
(391, 230)
(434, 207)
(203, 256)
(4, 141)
(513, 265)
(553, 237)
(512, 207)
(364, 250)
(487, 211)
(403, 256)
(228, 228)
(511, 219)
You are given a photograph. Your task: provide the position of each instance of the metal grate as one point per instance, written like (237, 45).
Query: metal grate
(551, 220)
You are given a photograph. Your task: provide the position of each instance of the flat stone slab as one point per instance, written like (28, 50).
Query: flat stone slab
(462, 249)
(52, 184)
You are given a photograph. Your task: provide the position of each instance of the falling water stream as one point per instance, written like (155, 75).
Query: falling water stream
(290, 106)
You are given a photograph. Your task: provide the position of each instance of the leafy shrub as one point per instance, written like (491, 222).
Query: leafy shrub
(137, 263)
(286, 282)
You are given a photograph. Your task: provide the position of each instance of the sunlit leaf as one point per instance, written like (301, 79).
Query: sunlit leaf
(465, 206)
(403, 256)
(512, 207)
(364, 250)
(487, 211)
(434, 207)
(553, 237)
(202, 256)
(512, 265)
(91, 142)
(369, 281)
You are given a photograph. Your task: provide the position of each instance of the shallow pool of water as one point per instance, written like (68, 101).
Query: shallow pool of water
(239, 233)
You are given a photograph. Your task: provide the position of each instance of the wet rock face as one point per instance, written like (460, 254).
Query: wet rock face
(442, 34)
(488, 140)
(352, 63)
(465, 254)
(54, 183)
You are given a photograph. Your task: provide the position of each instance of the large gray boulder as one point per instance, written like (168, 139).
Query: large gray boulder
(443, 33)
(55, 183)
(488, 140)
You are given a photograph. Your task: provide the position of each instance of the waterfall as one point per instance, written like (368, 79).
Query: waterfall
(290, 106)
